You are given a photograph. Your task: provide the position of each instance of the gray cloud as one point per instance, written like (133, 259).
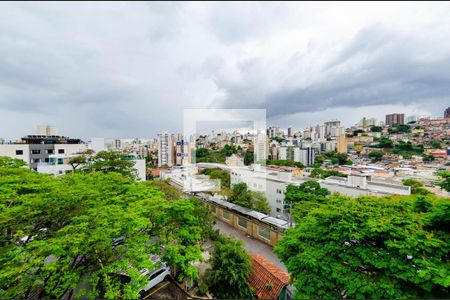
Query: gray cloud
(121, 69)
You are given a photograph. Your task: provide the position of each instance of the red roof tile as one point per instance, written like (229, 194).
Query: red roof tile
(267, 279)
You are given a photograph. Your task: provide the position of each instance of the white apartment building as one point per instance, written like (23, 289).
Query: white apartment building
(33, 154)
(261, 147)
(273, 184)
(165, 150)
(47, 130)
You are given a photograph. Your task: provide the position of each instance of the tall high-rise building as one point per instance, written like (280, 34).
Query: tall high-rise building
(392, 119)
(447, 112)
(261, 147)
(366, 122)
(342, 144)
(182, 151)
(47, 130)
(165, 150)
(329, 131)
(290, 132)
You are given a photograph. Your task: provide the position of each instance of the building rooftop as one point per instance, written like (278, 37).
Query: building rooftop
(266, 278)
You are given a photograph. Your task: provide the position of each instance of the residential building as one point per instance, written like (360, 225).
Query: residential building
(366, 123)
(47, 130)
(34, 149)
(261, 148)
(330, 128)
(342, 144)
(182, 151)
(447, 112)
(165, 150)
(395, 118)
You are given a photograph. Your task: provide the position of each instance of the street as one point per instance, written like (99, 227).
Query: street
(250, 244)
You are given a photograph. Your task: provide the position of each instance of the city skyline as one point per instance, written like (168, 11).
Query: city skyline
(130, 69)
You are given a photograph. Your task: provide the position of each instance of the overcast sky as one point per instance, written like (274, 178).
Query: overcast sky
(129, 69)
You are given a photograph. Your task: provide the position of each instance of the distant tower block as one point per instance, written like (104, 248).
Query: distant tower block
(47, 130)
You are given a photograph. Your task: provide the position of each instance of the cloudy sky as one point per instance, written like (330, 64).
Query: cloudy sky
(129, 69)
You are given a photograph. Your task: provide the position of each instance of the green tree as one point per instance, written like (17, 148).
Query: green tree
(230, 270)
(308, 193)
(111, 161)
(376, 155)
(217, 173)
(355, 132)
(249, 158)
(288, 163)
(368, 247)
(416, 186)
(435, 144)
(376, 129)
(76, 161)
(259, 202)
(322, 173)
(78, 231)
(7, 162)
(241, 196)
(444, 183)
(384, 142)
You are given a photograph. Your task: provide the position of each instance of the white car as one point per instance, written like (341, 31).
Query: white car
(155, 277)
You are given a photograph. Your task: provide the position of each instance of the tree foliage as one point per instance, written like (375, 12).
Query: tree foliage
(110, 161)
(230, 270)
(217, 173)
(376, 155)
(322, 173)
(7, 162)
(287, 163)
(245, 198)
(73, 234)
(249, 158)
(444, 183)
(416, 186)
(369, 247)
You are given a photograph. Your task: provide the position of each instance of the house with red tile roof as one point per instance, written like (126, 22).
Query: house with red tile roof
(268, 280)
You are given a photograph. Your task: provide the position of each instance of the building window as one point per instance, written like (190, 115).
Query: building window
(264, 232)
(278, 201)
(213, 209)
(36, 160)
(35, 151)
(19, 152)
(242, 222)
(226, 215)
(49, 151)
(60, 161)
(46, 159)
(279, 191)
(61, 151)
(279, 210)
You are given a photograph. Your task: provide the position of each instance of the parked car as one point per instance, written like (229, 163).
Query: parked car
(155, 277)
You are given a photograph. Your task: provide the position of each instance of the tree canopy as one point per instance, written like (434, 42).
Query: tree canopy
(254, 200)
(369, 247)
(444, 183)
(230, 270)
(69, 235)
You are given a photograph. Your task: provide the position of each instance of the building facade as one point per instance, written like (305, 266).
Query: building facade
(392, 119)
(165, 150)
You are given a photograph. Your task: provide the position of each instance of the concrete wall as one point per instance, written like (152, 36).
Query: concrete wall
(10, 151)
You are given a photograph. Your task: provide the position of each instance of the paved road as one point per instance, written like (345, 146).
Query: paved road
(251, 244)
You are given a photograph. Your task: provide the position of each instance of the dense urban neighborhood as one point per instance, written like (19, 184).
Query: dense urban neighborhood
(200, 150)
(323, 212)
